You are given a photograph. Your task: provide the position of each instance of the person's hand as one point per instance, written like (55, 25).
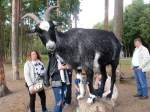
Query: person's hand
(46, 83)
(131, 68)
(31, 89)
(139, 68)
(78, 89)
(61, 67)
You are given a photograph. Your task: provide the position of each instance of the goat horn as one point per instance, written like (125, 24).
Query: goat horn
(32, 16)
(47, 12)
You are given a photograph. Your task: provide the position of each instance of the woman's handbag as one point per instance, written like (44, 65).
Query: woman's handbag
(38, 86)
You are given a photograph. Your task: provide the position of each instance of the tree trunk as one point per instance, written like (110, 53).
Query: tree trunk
(76, 19)
(106, 15)
(3, 88)
(58, 9)
(70, 22)
(15, 40)
(118, 19)
(47, 3)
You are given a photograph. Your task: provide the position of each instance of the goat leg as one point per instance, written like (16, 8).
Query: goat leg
(113, 79)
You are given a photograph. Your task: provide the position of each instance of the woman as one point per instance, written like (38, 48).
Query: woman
(59, 79)
(33, 71)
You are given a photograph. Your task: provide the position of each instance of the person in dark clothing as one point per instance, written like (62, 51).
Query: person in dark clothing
(59, 79)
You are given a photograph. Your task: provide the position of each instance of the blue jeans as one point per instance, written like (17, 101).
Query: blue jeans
(59, 93)
(141, 81)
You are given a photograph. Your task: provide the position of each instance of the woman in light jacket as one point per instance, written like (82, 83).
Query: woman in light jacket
(33, 70)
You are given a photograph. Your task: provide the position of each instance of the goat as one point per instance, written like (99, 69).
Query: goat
(81, 47)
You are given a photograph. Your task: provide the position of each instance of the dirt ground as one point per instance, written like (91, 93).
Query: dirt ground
(17, 101)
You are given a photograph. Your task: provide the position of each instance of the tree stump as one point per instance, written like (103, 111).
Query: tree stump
(3, 88)
(98, 106)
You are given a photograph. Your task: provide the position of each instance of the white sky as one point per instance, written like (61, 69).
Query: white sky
(92, 11)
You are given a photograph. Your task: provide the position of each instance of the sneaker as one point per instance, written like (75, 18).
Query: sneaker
(91, 98)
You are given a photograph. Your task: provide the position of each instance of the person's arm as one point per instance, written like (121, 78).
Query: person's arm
(28, 78)
(132, 60)
(88, 89)
(47, 76)
(76, 85)
(146, 56)
(43, 70)
(27, 74)
(107, 87)
(62, 67)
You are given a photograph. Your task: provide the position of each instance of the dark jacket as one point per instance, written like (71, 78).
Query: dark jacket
(53, 73)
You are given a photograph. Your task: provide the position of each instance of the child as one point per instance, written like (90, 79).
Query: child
(80, 83)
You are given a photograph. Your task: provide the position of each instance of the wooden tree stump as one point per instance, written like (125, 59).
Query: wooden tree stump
(99, 106)
(3, 88)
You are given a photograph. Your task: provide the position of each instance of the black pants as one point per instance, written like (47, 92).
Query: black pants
(68, 94)
(33, 98)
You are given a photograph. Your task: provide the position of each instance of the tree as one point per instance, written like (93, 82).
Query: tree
(67, 7)
(15, 40)
(118, 19)
(136, 23)
(144, 25)
(106, 27)
(3, 88)
(58, 9)
(101, 25)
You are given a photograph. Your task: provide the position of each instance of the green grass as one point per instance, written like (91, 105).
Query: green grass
(125, 61)
(45, 59)
(124, 65)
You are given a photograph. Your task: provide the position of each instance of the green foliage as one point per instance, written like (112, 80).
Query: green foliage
(144, 26)
(136, 23)
(101, 25)
(67, 9)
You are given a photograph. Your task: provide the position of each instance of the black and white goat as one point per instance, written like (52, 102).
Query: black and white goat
(85, 47)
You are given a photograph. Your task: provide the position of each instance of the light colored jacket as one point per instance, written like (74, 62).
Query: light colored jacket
(144, 57)
(29, 73)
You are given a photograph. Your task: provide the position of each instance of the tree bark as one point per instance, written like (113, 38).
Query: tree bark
(3, 88)
(15, 40)
(118, 19)
(76, 19)
(106, 27)
(47, 3)
(58, 9)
